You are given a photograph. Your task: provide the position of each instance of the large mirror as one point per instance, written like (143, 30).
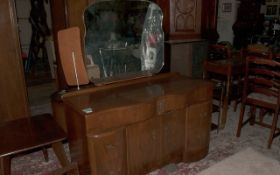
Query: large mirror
(123, 39)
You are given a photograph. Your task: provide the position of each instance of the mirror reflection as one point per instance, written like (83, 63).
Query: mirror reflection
(123, 38)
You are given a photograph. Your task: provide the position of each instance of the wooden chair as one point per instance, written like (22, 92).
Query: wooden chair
(27, 134)
(221, 52)
(216, 52)
(261, 89)
(71, 169)
(258, 50)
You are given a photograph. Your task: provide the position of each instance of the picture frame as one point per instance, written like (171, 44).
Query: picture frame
(227, 7)
(271, 10)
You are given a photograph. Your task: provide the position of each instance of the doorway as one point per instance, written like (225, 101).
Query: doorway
(34, 22)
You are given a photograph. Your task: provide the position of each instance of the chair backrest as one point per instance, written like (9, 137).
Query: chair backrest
(71, 57)
(262, 78)
(258, 50)
(218, 52)
(276, 57)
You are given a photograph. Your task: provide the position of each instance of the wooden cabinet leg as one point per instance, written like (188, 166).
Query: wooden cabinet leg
(5, 165)
(60, 153)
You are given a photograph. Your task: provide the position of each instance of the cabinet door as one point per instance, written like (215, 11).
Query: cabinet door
(182, 18)
(13, 93)
(185, 19)
(107, 153)
(143, 146)
(173, 136)
(198, 122)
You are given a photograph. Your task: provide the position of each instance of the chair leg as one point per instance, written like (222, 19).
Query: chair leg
(220, 108)
(240, 123)
(60, 153)
(46, 155)
(5, 165)
(71, 169)
(218, 122)
(273, 128)
(239, 90)
(261, 114)
(235, 105)
(252, 115)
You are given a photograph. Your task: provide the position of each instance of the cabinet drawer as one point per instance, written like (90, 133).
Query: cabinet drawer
(121, 116)
(170, 102)
(201, 93)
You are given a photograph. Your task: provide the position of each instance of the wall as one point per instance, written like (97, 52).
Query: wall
(227, 13)
(23, 9)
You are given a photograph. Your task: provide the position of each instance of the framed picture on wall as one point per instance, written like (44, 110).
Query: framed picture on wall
(271, 10)
(227, 7)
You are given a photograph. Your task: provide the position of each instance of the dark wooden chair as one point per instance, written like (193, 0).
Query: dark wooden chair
(258, 50)
(261, 89)
(217, 52)
(27, 134)
(71, 169)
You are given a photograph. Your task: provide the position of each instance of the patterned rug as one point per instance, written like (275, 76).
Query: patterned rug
(256, 164)
(222, 145)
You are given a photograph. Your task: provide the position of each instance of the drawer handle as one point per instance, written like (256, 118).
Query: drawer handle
(160, 107)
(154, 135)
(110, 147)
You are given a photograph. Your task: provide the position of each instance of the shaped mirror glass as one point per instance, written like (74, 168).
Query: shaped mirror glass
(123, 39)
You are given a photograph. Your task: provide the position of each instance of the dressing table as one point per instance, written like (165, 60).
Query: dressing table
(134, 125)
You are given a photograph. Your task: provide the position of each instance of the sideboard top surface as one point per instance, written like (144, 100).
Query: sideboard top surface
(144, 92)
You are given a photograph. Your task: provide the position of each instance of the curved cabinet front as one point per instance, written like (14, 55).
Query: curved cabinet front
(144, 126)
(107, 152)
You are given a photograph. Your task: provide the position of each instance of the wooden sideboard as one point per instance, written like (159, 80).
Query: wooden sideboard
(137, 126)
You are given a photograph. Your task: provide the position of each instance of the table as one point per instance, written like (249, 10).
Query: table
(25, 134)
(230, 68)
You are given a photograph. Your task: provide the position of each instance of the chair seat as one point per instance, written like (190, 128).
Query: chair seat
(27, 134)
(261, 89)
(263, 98)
